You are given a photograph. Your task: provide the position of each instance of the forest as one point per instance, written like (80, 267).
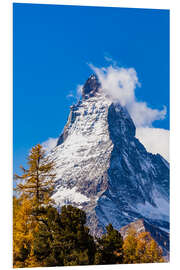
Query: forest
(45, 236)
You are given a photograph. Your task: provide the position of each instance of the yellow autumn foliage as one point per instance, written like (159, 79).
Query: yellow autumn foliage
(141, 248)
(23, 226)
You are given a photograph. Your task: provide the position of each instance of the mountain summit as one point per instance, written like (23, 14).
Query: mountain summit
(91, 87)
(103, 168)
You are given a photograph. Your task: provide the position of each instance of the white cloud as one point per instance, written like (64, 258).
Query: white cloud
(143, 116)
(155, 140)
(120, 84)
(79, 90)
(110, 60)
(49, 144)
(76, 95)
(70, 95)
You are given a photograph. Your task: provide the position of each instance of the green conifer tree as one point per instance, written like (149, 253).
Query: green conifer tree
(109, 249)
(62, 239)
(47, 239)
(79, 246)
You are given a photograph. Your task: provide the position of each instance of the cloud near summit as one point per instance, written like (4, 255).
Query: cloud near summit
(155, 140)
(120, 84)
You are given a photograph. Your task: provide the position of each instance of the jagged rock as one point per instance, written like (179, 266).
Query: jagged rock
(91, 87)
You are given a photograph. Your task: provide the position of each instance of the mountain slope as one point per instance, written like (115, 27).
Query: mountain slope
(102, 168)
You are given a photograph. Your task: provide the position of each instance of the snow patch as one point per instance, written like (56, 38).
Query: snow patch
(66, 196)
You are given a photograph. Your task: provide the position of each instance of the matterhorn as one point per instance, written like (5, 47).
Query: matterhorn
(103, 168)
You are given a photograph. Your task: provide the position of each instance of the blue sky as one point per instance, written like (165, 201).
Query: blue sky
(52, 46)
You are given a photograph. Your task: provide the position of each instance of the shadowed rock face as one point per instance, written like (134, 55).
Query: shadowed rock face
(91, 87)
(103, 168)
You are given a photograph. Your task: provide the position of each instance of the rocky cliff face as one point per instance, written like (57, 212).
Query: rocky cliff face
(103, 169)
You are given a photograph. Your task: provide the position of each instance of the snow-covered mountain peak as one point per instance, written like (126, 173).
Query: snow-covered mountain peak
(102, 168)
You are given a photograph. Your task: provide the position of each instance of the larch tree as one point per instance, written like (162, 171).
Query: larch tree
(148, 250)
(141, 248)
(130, 247)
(34, 189)
(24, 226)
(37, 182)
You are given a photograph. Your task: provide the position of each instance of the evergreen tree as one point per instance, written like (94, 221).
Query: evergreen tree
(47, 240)
(62, 239)
(37, 182)
(78, 245)
(109, 247)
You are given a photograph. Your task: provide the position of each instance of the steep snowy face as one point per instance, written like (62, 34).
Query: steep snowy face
(102, 168)
(83, 150)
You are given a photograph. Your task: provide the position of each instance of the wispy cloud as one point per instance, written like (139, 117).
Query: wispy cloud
(70, 95)
(79, 90)
(144, 116)
(155, 140)
(49, 144)
(120, 84)
(76, 94)
(110, 60)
